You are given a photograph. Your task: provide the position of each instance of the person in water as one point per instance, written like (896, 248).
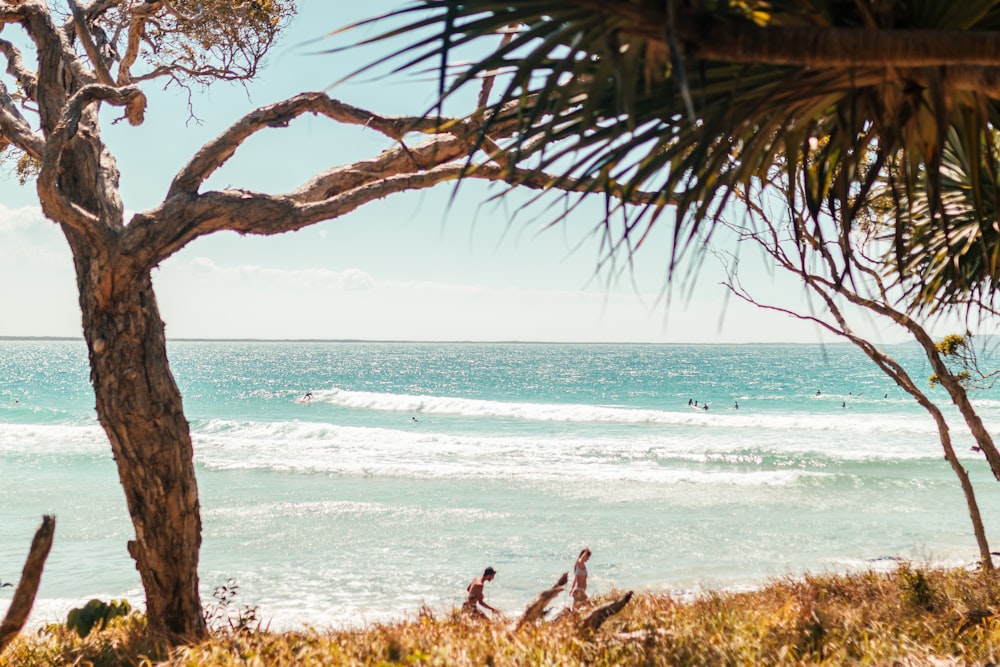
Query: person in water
(475, 598)
(578, 591)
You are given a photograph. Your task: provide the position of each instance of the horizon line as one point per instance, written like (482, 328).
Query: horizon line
(202, 339)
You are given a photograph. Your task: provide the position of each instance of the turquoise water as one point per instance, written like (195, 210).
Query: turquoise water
(415, 465)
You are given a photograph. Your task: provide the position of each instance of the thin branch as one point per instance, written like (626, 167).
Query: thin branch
(83, 33)
(181, 15)
(484, 91)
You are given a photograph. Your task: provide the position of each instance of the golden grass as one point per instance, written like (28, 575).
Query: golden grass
(907, 617)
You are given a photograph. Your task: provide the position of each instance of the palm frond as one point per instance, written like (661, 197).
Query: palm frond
(604, 90)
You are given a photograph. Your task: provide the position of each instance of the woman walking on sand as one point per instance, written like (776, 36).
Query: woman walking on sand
(578, 591)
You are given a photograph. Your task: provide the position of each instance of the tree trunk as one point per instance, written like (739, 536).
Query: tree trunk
(985, 557)
(140, 408)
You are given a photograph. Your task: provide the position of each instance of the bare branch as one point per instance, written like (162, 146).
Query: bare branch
(214, 154)
(55, 204)
(15, 129)
(27, 587)
(83, 33)
(15, 67)
(140, 12)
(12, 13)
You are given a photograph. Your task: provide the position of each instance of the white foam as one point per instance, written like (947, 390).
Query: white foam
(849, 421)
(32, 439)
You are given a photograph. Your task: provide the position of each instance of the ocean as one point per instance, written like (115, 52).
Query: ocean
(416, 465)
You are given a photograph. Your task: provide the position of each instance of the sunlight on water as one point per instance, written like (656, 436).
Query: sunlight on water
(413, 466)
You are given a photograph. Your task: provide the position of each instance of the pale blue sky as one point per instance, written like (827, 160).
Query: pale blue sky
(408, 267)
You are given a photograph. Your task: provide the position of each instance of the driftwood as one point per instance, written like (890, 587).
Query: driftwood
(27, 588)
(596, 618)
(536, 609)
(974, 617)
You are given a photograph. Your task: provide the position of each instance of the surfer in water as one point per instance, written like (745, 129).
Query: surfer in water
(308, 397)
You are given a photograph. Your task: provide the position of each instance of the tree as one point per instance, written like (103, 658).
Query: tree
(698, 100)
(101, 53)
(819, 266)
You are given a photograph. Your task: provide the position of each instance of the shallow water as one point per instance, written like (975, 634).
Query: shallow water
(414, 466)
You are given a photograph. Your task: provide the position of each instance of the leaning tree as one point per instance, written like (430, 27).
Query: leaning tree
(62, 68)
(793, 246)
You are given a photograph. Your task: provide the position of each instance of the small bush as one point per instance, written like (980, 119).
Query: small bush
(96, 614)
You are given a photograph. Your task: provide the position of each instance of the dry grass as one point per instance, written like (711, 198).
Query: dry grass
(907, 617)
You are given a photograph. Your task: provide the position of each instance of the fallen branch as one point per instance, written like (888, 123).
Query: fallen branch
(595, 619)
(536, 609)
(27, 588)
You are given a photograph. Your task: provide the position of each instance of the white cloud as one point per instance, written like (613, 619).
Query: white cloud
(346, 279)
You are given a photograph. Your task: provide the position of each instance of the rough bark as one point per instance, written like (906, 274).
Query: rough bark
(141, 410)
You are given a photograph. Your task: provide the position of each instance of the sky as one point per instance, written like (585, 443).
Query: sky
(429, 265)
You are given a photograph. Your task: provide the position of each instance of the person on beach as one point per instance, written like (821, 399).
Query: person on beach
(578, 591)
(475, 591)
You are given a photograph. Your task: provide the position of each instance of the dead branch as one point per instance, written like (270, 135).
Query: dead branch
(595, 619)
(536, 609)
(27, 587)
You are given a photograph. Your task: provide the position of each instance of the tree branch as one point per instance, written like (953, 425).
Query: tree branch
(15, 129)
(214, 154)
(15, 67)
(140, 13)
(55, 205)
(83, 33)
(27, 587)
